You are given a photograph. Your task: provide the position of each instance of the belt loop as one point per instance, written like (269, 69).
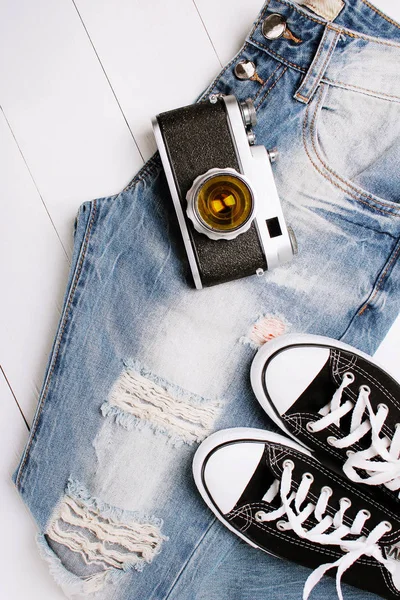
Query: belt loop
(318, 65)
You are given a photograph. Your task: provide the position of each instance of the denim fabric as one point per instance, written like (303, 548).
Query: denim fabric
(143, 366)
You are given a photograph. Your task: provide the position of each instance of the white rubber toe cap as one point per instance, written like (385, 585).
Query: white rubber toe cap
(291, 371)
(228, 471)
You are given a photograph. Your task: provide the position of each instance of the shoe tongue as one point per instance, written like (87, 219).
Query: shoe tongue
(345, 423)
(258, 485)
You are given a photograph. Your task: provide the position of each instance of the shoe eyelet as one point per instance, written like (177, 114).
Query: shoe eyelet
(327, 489)
(349, 375)
(280, 525)
(288, 464)
(366, 513)
(331, 440)
(345, 500)
(388, 526)
(365, 388)
(308, 476)
(310, 427)
(259, 516)
(384, 406)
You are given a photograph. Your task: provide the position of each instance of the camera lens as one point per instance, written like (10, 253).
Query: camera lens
(221, 203)
(224, 202)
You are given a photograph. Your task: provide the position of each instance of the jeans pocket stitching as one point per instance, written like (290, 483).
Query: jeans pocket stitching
(280, 75)
(348, 187)
(275, 55)
(379, 12)
(264, 85)
(381, 280)
(361, 90)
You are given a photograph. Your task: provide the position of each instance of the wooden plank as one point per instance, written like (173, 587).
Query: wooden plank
(228, 22)
(61, 108)
(157, 56)
(33, 275)
(24, 574)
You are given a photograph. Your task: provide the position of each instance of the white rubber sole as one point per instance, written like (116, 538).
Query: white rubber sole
(225, 436)
(274, 346)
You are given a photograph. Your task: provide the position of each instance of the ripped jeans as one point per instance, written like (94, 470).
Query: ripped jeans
(143, 366)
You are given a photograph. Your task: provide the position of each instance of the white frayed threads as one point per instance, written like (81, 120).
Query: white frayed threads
(183, 417)
(103, 540)
(265, 329)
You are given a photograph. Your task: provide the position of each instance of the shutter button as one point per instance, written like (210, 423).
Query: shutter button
(275, 26)
(245, 69)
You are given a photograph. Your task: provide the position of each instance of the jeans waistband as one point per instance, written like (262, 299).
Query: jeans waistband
(359, 50)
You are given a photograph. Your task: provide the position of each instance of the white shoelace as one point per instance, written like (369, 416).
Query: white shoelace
(296, 515)
(385, 470)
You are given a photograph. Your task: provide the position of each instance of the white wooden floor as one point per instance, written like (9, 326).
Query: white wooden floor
(79, 83)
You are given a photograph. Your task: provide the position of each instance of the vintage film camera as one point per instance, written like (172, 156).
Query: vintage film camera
(223, 190)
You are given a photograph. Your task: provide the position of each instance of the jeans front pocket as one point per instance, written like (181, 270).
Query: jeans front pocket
(353, 140)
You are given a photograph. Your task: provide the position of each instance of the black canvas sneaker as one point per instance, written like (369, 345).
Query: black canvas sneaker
(336, 401)
(274, 494)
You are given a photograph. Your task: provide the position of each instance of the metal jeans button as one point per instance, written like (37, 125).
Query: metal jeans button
(275, 26)
(246, 69)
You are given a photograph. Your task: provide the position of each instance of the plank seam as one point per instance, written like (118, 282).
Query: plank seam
(15, 398)
(107, 78)
(34, 182)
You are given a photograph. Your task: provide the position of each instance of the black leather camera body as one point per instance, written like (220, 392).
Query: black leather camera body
(223, 190)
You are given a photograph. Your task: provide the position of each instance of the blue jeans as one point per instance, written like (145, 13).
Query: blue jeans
(144, 367)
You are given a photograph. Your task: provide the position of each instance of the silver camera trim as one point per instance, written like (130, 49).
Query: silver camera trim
(277, 250)
(192, 212)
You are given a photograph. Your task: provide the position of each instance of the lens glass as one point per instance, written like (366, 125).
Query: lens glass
(224, 202)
